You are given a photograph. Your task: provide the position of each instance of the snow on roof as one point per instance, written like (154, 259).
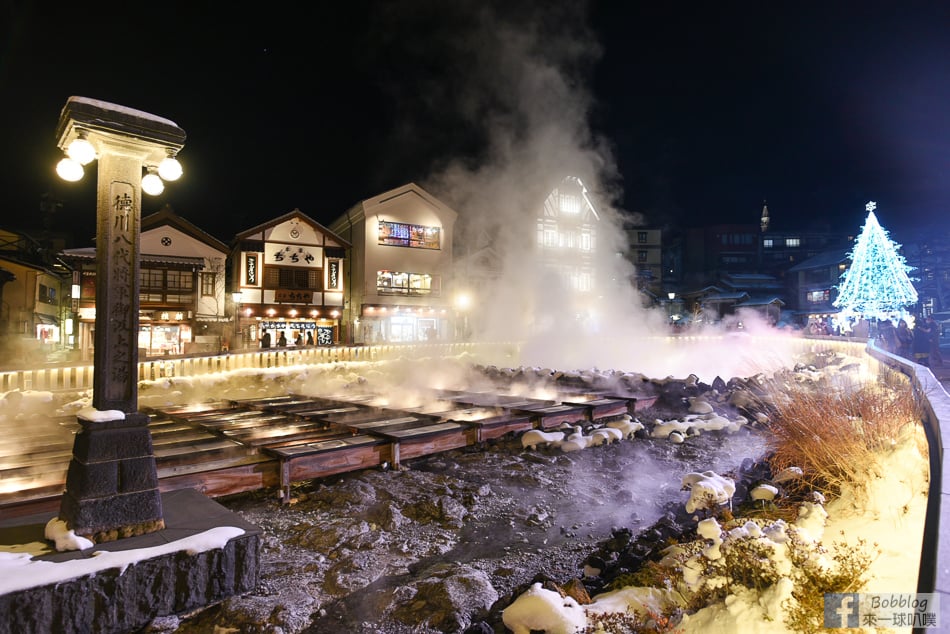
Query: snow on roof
(132, 112)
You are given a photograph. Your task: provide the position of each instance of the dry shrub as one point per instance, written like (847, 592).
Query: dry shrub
(849, 571)
(833, 433)
(632, 623)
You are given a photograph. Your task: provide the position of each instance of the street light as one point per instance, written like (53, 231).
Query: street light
(116, 440)
(170, 169)
(152, 183)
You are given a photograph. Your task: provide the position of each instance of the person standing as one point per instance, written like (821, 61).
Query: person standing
(922, 342)
(888, 335)
(282, 340)
(905, 339)
(936, 359)
(309, 338)
(265, 340)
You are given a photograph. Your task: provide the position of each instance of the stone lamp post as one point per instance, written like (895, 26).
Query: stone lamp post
(112, 482)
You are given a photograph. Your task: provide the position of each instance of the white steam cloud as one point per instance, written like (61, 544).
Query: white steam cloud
(520, 104)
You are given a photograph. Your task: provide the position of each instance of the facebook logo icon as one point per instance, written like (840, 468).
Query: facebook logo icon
(841, 610)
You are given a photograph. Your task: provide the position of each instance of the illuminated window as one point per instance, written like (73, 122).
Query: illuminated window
(793, 242)
(399, 234)
(180, 280)
(47, 294)
(818, 297)
(767, 243)
(293, 278)
(166, 286)
(403, 283)
(207, 284)
(569, 204)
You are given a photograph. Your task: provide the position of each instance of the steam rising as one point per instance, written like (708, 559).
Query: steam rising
(522, 89)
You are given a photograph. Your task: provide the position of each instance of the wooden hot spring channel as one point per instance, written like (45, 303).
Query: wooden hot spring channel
(225, 447)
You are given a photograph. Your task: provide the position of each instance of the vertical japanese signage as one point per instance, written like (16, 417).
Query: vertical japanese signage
(324, 335)
(333, 275)
(121, 261)
(250, 269)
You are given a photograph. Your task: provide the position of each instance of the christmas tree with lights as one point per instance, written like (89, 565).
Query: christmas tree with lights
(876, 285)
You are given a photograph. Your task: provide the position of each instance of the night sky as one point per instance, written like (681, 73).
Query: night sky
(688, 113)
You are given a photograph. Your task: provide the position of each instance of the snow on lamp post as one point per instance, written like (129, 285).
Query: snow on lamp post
(876, 285)
(112, 482)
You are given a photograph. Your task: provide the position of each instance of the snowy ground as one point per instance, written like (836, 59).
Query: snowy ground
(891, 518)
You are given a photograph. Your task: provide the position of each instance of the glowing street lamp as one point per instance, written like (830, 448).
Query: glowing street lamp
(125, 142)
(170, 169)
(151, 183)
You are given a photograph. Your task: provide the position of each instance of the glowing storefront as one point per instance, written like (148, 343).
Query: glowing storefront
(181, 289)
(288, 278)
(401, 258)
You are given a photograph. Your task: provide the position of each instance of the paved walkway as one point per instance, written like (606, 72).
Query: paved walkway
(942, 373)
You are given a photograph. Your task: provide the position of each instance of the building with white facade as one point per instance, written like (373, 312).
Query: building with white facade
(288, 278)
(182, 295)
(400, 262)
(521, 268)
(567, 235)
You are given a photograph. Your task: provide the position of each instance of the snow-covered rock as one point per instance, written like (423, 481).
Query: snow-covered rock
(539, 609)
(627, 426)
(532, 438)
(706, 489)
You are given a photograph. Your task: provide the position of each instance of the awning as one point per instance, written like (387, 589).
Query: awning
(49, 320)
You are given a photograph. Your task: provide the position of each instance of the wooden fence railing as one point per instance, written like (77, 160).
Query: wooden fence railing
(66, 376)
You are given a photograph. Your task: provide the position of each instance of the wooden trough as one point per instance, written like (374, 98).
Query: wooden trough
(600, 409)
(489, 422)
(320, 458)
(421, 440)
(224, 447)
(551, 416)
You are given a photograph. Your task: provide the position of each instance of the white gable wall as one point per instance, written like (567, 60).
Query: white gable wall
(406, 316)
(179, 244)
(409, 208)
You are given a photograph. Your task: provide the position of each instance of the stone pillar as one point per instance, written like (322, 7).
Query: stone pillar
(112, 482)
(118, 214)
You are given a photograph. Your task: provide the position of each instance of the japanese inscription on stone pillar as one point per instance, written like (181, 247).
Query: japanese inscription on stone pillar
(117, 296)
